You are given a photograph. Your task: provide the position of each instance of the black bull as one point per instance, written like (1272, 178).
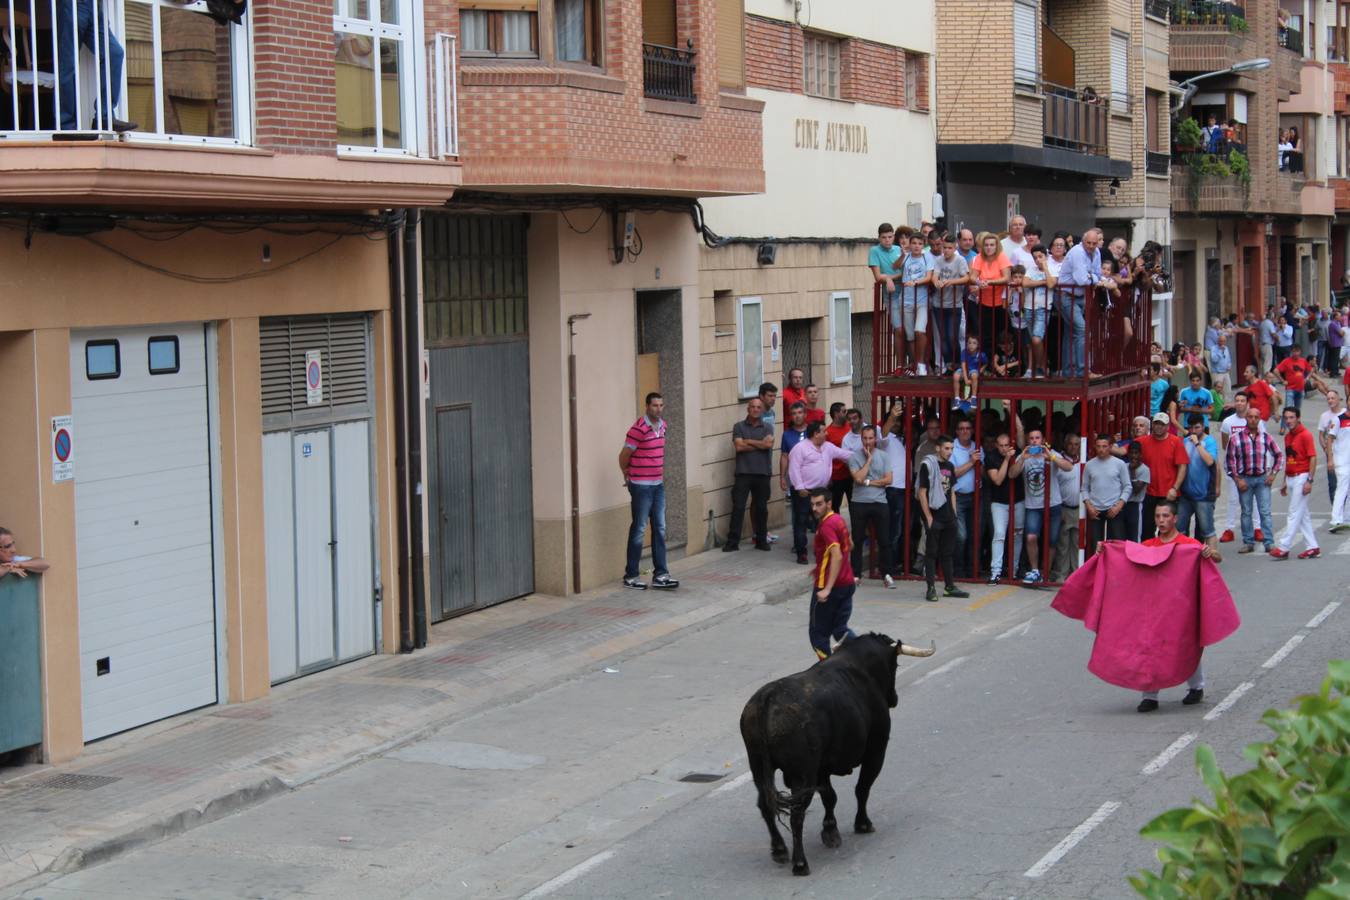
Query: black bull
(828, 720)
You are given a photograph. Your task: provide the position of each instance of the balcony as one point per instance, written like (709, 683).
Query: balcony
(1207, 36)
(668, 73)
(1111, 342)
(1202, 195)
(1290, 39)
(1072, 123)
(1156, 163)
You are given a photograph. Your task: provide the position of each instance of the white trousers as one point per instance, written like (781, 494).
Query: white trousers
(1300, 520)
(1338, 510)
(1196, 682)
(1234, 504)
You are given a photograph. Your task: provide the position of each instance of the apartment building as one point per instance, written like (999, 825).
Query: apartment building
(199, 339)
(1251, 221)
(561, 282)
(1338, 67)
(848, 144)
(1046, 108)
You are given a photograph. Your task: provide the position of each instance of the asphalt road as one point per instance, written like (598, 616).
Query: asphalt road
(1012, 772)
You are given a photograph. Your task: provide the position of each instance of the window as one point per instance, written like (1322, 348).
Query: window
(731, 43)
(911, 81)
(102, 359)
(576, 31)
(162, 353)
(750, 346)
(820, 66)
(474, 278)
(1026, 49)
(1120, 73)
(499, 28)
(1154, 122)
(841, 337)
(374, 71)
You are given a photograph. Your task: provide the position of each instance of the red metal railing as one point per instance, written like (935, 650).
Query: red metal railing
(1068, 332)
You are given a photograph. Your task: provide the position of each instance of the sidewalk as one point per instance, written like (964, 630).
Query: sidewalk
(165, 778)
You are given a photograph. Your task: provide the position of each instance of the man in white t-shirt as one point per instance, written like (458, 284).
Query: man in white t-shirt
(1238, 420)
(1333, 432)
(11, 563)
(1015, 244)
(891, 441)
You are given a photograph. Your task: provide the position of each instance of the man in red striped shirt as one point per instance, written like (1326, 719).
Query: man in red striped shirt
(1252, 461)
(642, 461)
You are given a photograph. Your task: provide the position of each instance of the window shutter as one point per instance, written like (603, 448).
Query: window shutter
(731, 43)
(1120, 72)
(344, 347)
(658, 22)
(504, 5)
(1026, 51)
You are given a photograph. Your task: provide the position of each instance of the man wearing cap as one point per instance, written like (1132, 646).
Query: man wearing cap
(1166, 458)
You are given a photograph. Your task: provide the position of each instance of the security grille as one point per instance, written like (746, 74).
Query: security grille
(343, 343)
(862, 363)
(474, 283)
(797, 348)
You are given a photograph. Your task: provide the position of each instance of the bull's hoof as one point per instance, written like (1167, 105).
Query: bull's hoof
(830, 837)
(779, 854)
(801, 868)
(863, 826)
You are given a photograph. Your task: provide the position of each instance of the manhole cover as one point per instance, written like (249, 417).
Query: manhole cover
(72, 782)
(701, 778)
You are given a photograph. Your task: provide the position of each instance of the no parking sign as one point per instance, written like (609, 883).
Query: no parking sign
(63, 449)
(314, 377)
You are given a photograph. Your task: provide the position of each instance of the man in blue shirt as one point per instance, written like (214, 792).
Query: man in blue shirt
(1201, 487)
(882, 260)
(1081, 269)
(794, 432)
(1195, 399)
(1157, 389)
(1220, 364)
(1267, 330)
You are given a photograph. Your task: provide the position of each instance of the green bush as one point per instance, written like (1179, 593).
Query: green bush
(1279, 830)
(1188, 133)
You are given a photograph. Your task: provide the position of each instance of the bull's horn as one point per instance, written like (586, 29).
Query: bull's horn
(903, 649)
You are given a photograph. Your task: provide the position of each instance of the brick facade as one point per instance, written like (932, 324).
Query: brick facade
(532, 123)
(295, 90)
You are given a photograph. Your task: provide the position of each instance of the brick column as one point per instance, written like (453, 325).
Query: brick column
(295, 94)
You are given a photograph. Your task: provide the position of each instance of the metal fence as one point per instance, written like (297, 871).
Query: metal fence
(668, 73)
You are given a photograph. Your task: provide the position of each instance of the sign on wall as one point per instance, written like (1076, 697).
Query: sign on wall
(775, 341)
(63, 449)
(1014, 207)
(313, 377)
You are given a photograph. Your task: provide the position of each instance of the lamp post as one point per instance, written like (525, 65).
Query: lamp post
(1185, 90)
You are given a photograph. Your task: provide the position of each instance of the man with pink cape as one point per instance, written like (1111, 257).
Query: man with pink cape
(1155, 607)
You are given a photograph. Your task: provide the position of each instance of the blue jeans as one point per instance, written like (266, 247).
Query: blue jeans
(1203, 510)
(1294, 398)
(1257, 492)
(965, 524)
(1034, 523)
(830, 619)
(648, 502)
(1072, 310)
(110, 79)
(949, 335)
(1036, 319)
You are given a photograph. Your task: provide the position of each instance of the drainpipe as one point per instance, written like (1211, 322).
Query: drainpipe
(405, 641)
(572, 445)
(412, 369)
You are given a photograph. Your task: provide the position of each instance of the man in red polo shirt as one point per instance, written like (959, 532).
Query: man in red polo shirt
(833, 583)
(794, 391)
(1260, 395)
(1300, 465)
(841, 481)
(1166, 458)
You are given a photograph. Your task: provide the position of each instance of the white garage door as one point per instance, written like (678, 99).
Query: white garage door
(143, 525)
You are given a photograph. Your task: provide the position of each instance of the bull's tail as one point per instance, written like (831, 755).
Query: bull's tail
(778, 803)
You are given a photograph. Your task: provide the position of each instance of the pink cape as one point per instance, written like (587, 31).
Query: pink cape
(1154, 610)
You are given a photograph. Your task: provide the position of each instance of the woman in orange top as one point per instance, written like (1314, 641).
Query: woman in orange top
(990, 271)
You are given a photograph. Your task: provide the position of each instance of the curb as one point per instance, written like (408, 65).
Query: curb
(82, 856)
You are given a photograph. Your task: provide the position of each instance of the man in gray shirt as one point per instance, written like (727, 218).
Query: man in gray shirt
(754, 465)
(871, 470)
(1106, 489)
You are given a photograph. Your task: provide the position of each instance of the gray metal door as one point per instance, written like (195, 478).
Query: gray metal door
(481, 493)
(797, 348)
(862, 363)
(454, 513)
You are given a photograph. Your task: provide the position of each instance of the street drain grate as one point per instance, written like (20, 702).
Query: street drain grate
(69, 782)
(701, 778)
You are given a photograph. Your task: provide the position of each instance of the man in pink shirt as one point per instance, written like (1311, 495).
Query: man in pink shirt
(811, 462)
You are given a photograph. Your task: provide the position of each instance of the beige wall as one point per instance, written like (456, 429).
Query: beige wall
(899, 24)
(797, 286)
(570, 274)
(63, 283)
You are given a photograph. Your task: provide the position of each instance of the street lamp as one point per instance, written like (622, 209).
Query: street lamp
(1186, 89)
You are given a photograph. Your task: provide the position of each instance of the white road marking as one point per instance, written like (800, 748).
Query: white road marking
(1278, 656)
(940, 670)
(1058, 852)
(1326, 610)
(1156, 764)
(1015, 630)
(1227, 702)
(731, 785)
(569, 876)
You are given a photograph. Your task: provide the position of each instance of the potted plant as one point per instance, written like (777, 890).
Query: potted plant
(1188, 137)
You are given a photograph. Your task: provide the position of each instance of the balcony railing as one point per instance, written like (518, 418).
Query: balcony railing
(668, 73)
(1290, 39)
(173, 69)
(1070, 332)
(1157, 163)
(1071, 122)
(444, 95)
(1209, 12)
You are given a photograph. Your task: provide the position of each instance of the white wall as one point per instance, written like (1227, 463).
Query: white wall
(815, 192)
